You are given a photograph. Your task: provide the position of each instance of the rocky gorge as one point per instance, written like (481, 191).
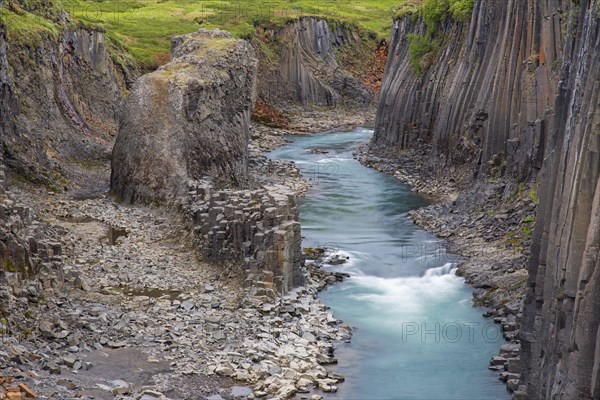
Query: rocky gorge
(178, 271)
(66, 330)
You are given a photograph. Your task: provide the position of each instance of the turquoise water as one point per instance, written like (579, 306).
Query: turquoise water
(415, 332)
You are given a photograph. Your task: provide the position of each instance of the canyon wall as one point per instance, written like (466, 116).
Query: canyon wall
(485, 97)
(61, 88)
(514, 95)
(561, 328)
(302, 63)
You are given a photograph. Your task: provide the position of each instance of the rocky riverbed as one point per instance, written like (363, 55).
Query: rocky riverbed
(302, 122)
(139, 314)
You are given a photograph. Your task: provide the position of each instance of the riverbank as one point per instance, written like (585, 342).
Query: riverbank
(397, 292)
(479, 222)
(139, 314)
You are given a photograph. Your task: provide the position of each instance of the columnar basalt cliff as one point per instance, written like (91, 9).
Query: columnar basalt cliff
(484, 95)
(561, 330)
(300, 64)
(186, 121)
(310, 66)
(513, 95)
(61, 89)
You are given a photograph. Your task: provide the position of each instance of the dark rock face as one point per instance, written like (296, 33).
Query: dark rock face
(306, 70)
(187, 120)
(59, 102)
(561, 331)
(485, 97)
(516, 94)
(26, 252)
(309, 65)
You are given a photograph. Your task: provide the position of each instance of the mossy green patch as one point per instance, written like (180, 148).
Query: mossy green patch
(423, 48)
(146, 26)
(9, 265)
(422, 51)
(27, 29)
(533, 194)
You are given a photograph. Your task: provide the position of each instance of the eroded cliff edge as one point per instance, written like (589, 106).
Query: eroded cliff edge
(506, 104)
(61, 88)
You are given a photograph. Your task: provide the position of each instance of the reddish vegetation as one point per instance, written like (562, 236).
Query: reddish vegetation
(266, 114)
(368, 68)
(11, 391)
(378, 68)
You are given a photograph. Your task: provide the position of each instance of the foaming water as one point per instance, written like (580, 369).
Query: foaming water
(416, 334)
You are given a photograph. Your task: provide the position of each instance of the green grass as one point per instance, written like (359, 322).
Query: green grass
(145, 27)
(26, 28)
(423, 49)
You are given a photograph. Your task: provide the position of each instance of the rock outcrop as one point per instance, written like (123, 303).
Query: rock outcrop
(61, 88)
(184, 141)
(513, 97)
(186, 121)
(300, 65)
(257, 232)
(30, 261)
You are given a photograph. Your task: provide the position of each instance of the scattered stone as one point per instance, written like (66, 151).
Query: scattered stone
(69, 361)
(187, 305)
(120, 387)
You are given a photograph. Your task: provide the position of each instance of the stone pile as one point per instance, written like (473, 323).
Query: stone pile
(508, 362)
(29, 260)
(254, 231)
(11, 390)
(146, 297)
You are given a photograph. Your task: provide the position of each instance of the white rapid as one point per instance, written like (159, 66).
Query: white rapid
(416, 334)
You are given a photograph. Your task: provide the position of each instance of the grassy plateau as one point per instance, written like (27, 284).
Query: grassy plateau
(144, 27)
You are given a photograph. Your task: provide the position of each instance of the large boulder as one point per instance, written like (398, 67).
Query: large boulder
(187, 120)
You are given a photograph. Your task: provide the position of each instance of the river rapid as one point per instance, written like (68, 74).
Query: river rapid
(416, 334)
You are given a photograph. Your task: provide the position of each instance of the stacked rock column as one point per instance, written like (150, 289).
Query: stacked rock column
(254, 232)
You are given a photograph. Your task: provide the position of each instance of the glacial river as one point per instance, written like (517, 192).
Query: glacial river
(415, 332)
